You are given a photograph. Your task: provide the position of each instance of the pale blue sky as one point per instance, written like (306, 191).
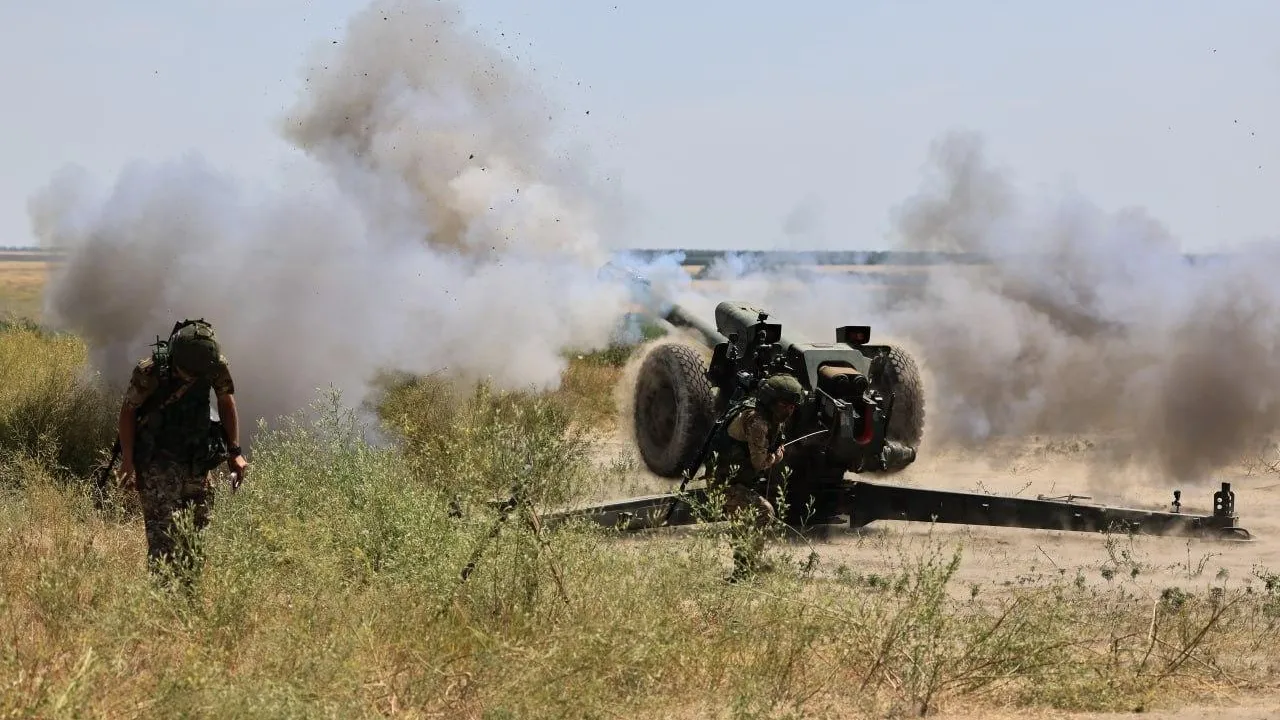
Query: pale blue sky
(717, 119)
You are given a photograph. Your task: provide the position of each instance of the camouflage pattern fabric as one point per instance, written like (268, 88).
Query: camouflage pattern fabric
(750, 515)
(145, 380)
(180, 428)
(758, 433)
(167, 490)
(743, 460)
(170, 456)
(743, 453)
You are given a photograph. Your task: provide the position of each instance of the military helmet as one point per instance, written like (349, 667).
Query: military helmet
(193, 347)
(781, 387)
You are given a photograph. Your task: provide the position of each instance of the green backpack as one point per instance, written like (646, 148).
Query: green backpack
(192, 346)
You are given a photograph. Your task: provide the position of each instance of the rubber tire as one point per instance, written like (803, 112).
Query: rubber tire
(673, 409)
(903, 378)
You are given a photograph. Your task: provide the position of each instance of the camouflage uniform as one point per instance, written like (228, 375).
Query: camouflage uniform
(173, 444)
(743, 463)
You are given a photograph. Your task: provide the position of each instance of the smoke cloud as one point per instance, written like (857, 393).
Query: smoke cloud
(429, 226)
(1077, 321)
(1085, 321)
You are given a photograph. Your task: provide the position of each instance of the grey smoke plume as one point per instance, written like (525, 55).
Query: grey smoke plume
(1079, 322)
(430, 226)
(1087, 322)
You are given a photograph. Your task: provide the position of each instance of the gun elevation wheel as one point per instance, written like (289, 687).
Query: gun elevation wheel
(673, 408)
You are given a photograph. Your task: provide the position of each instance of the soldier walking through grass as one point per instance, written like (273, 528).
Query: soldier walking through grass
(747, 451)
(169, 443)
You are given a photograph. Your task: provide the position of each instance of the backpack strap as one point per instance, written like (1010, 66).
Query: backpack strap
(154, 401)
(158, 401)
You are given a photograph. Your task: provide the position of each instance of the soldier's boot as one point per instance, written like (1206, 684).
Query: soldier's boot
(749, 563)
(741, 568)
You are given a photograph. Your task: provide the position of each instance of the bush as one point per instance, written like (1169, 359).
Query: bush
(50, 406)
(478, 446)
(333, 587)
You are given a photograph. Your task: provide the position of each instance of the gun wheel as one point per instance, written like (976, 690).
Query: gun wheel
(673, 408)
(907, 424)
(902, 378)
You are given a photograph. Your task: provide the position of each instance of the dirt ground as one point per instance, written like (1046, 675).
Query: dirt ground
(1052, 468)
(1246, 708)
(997, 558)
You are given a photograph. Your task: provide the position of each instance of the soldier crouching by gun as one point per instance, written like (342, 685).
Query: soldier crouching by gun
(745, 456)
(169, 444)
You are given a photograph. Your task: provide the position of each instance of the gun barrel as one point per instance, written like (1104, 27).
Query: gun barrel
(737, 317)
(681, 317)
(663, 307)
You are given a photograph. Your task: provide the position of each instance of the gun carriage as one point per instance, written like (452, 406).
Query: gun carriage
(863, 414)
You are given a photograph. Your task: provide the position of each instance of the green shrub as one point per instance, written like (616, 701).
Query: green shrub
(50, 405)
(333, 588)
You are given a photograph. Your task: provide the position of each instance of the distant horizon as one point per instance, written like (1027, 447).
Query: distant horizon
(803, 126)
(698, 254)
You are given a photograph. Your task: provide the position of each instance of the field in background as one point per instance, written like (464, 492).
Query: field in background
(21, 284)
(332, 586)
(23, 274)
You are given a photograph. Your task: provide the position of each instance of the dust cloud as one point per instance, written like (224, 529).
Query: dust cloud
(429, 225)
(1077, 321)
(1089, 322)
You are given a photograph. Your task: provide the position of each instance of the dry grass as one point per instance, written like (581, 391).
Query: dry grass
(51, 407)
(332, 589)
(21, 285)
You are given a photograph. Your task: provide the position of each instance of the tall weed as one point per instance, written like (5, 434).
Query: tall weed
(51, 407)
(333, 587)
(485, 444)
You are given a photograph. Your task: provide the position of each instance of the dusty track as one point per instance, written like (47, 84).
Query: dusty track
(1246, 708)
(1050, 467)
(998, 558)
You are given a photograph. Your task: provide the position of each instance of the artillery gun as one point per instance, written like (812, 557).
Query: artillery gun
(863, 413)
(864, 410)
